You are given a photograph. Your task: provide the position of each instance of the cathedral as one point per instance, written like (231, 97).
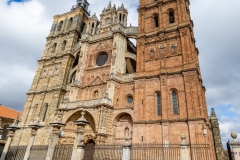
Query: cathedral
(151, 91)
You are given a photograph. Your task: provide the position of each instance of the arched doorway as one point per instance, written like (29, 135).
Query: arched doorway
(70, 129)
(89, 150)
(122, 128)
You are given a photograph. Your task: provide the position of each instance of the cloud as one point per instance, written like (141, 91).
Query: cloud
(24, 27)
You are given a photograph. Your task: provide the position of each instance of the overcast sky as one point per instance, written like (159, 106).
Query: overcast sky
(24, 26)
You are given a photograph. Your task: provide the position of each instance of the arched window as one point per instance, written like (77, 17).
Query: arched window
(120, 17)
(70, 23)
(175, 102)
(60, 26)
(45, 113)
(156, 22)
(64, 45)
(34, 109)
(171, 17)
(54, 47)
(72, 80)
(75, 63)
(123, 18)
(159, 105)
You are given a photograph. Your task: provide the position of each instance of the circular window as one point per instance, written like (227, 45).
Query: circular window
(102, 59)
(130, 99)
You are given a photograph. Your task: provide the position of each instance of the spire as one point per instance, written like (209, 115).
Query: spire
(94, 17)
(213, 114)
(109, 5)
(114, 8)
(122, 8)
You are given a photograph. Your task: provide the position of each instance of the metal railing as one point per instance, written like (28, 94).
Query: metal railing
(200, 151)
(16, 153)
(155, 151)
(103, 152)
(38, 153)
(63, 152)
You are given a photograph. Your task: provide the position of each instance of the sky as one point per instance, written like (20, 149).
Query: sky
(24, 25)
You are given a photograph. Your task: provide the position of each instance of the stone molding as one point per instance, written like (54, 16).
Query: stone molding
(87, 103)
(170, 121)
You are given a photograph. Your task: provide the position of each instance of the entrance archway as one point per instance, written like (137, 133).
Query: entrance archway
(70, 129)
(89, 150)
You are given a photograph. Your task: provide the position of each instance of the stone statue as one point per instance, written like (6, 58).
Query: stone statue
(126, 132)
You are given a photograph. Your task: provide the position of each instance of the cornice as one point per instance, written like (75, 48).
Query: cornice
(155, 4)
(164, 31)
(61, 34)
(69, 54)
(166, 74)
(46, 91)
(170, 121)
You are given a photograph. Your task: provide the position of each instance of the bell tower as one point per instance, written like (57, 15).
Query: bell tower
(52, 75)
(169, 94)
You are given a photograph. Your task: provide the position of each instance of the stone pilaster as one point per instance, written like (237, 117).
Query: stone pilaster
(34, 128)
(57, 125)
(12, 129)
(235, 146)
(126, 150)
(78, 148)
(184, 148)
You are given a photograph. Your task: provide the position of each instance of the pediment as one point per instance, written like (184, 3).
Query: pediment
(96, 81)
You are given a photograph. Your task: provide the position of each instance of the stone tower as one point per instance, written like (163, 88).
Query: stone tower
(51, 77)
(220, 153)
(169, 94)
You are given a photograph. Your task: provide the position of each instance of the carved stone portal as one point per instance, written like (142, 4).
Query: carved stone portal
(70, 129)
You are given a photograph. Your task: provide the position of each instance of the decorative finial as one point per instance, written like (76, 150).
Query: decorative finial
(234, 136)
(183, 137)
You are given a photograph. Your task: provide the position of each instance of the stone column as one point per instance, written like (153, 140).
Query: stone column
(12, 129)
(34, 128)
(57, 125)
(235, 146)
(184, 148)
(126, 154)
(78, 148)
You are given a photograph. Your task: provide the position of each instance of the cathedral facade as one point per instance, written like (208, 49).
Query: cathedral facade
(149, 92)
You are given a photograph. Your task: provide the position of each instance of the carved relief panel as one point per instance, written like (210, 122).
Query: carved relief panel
(50, 71)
